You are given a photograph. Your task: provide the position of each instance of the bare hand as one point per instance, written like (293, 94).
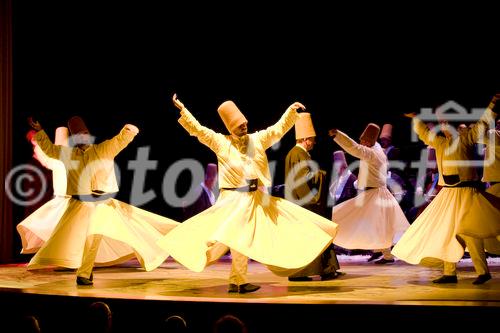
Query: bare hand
(410, 115)
(178, 104)
(34, 124)
(297, 105)
(332, 132)
(132, 128)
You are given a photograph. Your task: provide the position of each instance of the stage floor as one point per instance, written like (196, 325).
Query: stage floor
(364, 283)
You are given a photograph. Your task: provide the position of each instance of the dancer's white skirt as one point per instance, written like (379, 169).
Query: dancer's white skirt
(371, 220)
(270, 230)
(127, 232)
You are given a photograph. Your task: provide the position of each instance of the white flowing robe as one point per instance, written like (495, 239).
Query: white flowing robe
(373, 219)
(270, 230)
(127, 231)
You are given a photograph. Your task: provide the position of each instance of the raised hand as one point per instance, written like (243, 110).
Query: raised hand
(297, 105)
(178, 104)
(410, 115)
(494, 101)
(332, 132)
(132, 128)
(34, 124)
(496, 97)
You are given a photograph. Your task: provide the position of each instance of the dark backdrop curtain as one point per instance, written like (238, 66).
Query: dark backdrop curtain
(6, 226)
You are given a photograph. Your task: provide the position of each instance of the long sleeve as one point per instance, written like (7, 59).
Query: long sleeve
(373, 162)
(50, 149)
(425, 134)
(478, 133)
(274, 133)
(110, 148)
(352, 147)
(208, 137)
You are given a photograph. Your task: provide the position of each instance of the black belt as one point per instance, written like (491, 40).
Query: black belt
(251, 187)
(472, 183)
(493, 183)
(93, 197)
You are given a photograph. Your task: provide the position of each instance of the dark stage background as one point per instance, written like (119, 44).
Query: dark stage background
(118, 63)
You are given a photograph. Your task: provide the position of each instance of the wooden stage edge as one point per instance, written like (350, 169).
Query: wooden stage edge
(366, 294)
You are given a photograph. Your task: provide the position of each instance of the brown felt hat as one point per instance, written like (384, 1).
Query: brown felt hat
(231, 115)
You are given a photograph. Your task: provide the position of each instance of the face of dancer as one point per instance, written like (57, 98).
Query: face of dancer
(309, 143)
(365, 143)
(241, 130)
(83, 139)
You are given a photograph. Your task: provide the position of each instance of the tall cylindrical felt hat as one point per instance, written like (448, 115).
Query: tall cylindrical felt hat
(231, 115)
(304, 127)
(76, 125)
(62, 136)
(339, 158)
(211, 170)
(386, 131)
(370, 134)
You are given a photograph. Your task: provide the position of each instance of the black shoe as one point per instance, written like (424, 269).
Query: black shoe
(331, 276)
(446, 279)
(375, 255)
(242, 289)
(384, 261)
(81, 281)
(300, 278)
(248, 288)
(482, 278)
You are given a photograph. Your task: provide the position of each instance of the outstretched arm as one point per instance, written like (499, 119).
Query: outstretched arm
(110, 148)
(478, 132)
(43, 140)
(424, 133)
(350, 146)
(205, 135)
(34, 124)
(274, 133)
(493, 103)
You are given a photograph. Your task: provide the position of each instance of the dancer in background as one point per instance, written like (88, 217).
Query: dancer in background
(343, 185)
(93, 221)
(373, 220)
(36, 184)
(438, 236)
(35, 229)
(305, 185)
(205, 196)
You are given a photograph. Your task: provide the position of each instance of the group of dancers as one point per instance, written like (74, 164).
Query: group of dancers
(84, 226)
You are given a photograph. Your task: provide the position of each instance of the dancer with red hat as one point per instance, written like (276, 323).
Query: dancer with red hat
(373, 220)
(94, 224)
